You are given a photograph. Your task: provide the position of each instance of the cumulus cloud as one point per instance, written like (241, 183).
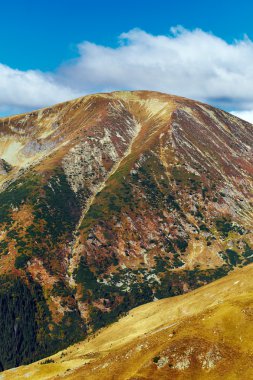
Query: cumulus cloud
(190, 63)
(194, 64)
(26, 90)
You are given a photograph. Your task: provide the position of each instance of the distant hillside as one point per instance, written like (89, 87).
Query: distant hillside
(111, 201)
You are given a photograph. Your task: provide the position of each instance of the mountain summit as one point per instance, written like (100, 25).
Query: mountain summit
(111, 201)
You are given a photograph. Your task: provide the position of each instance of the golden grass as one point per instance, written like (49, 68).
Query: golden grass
(205, 334)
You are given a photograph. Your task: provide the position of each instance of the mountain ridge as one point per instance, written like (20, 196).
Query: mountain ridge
(115, 200)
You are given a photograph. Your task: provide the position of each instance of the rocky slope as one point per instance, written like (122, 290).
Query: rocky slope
(205, 334)
(111, 201)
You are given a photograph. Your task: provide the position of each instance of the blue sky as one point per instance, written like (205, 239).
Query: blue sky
(55, 50)
(42, 34)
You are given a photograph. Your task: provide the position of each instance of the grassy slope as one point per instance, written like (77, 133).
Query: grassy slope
(205, 334)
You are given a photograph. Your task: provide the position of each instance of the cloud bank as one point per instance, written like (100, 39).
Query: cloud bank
(195, 64)
(26, 90)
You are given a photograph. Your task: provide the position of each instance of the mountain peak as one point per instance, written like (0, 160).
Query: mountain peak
(114, 200)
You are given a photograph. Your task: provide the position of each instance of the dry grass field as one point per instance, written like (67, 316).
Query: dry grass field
(205, 334)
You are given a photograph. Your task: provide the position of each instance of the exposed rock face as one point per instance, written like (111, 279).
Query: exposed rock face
(4, 167)
(118, 199)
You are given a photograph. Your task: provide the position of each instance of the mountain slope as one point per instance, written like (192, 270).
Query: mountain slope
(111, 201)
(205, 334)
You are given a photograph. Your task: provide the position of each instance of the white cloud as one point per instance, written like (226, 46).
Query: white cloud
(194, 64)
(245, 115)
(21, 90)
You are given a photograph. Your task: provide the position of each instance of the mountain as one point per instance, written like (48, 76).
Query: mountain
(111, 201)
(205, 334)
